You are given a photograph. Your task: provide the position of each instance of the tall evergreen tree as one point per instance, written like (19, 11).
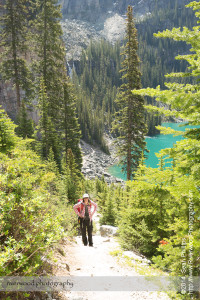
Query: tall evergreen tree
(48, 137)
(50, 52)
(129, 119)
(13, 35)
(25, 126)
(69, 123)
(70, 176)
(50, 65)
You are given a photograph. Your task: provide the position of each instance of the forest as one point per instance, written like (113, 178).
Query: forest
(157, 212)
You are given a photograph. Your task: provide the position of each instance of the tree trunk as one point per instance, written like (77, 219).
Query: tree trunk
(45, 47)
(129, 162)
(14, 54)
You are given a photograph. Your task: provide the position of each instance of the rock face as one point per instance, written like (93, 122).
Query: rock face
(77, 35)
(96, 10)
(96, 162)
(84, 20)
(8, 99)
(114, 28)
(86, 10)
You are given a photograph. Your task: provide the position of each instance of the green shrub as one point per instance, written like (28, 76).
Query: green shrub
(29, 226)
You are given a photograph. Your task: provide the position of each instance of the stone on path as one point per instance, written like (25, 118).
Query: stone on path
(108, 230)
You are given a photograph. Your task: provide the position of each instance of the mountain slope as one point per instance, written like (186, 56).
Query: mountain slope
(97, 10)
(84, 20)
(98, 67)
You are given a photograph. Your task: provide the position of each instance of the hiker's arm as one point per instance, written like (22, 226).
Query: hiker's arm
(76, 210)
(95, 207)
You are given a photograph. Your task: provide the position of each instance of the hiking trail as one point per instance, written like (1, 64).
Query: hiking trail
(97, 261)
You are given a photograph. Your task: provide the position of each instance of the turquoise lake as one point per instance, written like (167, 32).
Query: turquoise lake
(154, 145)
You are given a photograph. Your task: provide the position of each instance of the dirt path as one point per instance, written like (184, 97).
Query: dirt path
(97, 261)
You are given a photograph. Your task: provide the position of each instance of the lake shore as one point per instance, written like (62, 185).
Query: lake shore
(96, 163)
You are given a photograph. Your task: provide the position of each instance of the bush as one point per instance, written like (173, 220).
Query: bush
(29, 226)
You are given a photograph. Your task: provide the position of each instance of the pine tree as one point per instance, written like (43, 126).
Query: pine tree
(130, 115)
(50, 65)
(70, 176)
(47, 135)
(69, 123)
(51, 165)
(109, 214)
(25, 126)
(14, 28)
(50, 52)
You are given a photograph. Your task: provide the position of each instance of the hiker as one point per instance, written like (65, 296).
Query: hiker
(84, 210)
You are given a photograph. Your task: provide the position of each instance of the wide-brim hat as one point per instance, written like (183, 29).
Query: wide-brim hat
(85, 196)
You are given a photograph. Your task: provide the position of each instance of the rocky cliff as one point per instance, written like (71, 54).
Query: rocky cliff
(93, 19)
(95, 10)
(84, 20)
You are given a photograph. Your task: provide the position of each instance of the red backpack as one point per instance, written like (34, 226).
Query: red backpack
(80, 208)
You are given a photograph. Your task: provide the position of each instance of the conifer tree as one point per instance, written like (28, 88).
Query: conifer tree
(50, 65)
(25, 126)
(129, 119)
(14, 28)
(51, 163)
(50, 52)
(48, 137)
(69, 123)
(70, 176)
(109, 214)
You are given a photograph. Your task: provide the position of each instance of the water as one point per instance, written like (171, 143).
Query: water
(154, 144)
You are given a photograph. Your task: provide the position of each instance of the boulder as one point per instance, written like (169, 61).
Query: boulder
(119, 180)
(108, 230)
(89, 171)
(106, 174)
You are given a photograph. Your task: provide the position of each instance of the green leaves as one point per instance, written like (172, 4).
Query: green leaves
(29, 225)
(7, 135)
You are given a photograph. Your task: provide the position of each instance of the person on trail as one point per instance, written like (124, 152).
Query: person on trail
(84, 210)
